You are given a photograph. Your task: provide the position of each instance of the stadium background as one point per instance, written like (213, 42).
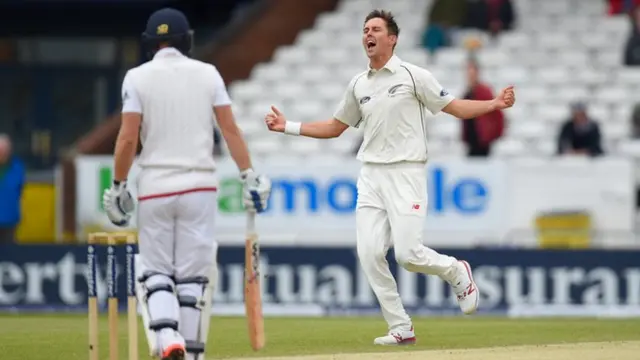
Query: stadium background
(548, 234)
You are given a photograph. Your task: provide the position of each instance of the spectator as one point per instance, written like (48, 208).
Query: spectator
(493, 16)
(632, 48)
(580, 135)
(477, 15)
(635, 122)
(12, 175)
(443, 17)
(501, 16)
(481, 132)
(617, 7)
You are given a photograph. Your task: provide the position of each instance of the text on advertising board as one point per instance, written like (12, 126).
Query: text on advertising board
(55, 276)
(464, 195)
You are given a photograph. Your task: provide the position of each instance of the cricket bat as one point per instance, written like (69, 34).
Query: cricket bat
(252, 295)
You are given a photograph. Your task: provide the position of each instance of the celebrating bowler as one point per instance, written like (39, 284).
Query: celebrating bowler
(388, 102)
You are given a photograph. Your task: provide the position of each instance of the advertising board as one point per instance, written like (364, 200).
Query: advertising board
(318, 200)
(321, 281)
(471, 202)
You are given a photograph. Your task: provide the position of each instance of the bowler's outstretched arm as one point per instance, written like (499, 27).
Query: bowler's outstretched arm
(348, 114)
(470, 109)
(436, 99)
(322, 129)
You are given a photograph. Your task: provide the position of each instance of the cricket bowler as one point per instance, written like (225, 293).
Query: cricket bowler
(388, 102)
(170, 102)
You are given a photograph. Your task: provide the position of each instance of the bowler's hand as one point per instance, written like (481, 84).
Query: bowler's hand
(505, 99)
(275, 120)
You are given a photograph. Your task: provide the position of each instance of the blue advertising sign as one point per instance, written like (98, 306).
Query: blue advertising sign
(330, 280)
(467, 195)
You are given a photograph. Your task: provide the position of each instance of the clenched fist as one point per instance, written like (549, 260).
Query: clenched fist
(275, 120)
(505, 99)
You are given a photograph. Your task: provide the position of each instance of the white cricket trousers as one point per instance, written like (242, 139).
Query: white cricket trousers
(176, 234)
(391, 211)
(176, 242)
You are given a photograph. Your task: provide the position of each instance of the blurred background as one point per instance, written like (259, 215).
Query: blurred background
(541, 198)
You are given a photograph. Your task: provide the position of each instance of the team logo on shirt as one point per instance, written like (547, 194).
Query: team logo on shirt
(365, 100)
(444, 93)
(394, 88)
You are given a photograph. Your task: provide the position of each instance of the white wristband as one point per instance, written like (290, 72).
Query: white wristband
(292, 128)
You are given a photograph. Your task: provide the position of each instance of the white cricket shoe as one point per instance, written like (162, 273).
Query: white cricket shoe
(465, 288)
(397, 337)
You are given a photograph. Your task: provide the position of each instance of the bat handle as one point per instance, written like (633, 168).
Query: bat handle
(251, 222)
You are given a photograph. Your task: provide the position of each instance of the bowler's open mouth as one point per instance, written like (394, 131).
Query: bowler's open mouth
(370, 44)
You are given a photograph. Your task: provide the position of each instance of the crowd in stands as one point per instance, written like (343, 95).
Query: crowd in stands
(632, 48)
(580, 134)
(446, 16)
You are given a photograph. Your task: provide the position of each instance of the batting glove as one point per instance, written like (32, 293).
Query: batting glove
(257, 189)
(118, 203)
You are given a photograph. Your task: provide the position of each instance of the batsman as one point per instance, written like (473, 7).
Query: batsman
(169, 104)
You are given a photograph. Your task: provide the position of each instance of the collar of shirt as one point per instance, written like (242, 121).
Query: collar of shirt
(167, 52)
(392, 65)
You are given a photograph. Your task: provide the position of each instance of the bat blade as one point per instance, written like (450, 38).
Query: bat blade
(253, 297)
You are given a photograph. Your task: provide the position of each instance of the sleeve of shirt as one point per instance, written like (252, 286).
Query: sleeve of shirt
(348, 111)
(130, 99)
(430, 92)
(220, 94)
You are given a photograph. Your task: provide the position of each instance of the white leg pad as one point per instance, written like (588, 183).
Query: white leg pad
(195, 296)
(207, 303)
(141, 293)
(205, 317)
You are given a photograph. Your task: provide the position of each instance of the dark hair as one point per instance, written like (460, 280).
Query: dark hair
(392, 25)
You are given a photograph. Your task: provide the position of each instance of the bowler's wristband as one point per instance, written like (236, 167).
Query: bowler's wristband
(292, 128)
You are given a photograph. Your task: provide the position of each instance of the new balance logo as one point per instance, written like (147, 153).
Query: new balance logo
(470, 290)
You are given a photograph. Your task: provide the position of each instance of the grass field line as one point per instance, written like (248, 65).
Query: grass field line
(618, 350)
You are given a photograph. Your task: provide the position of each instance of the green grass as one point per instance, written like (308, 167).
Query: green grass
(35, 337)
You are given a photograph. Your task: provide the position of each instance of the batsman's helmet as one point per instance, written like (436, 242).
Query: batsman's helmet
(167, 26)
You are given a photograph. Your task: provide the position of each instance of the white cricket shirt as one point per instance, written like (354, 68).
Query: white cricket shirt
(389, 105)
(176, 96)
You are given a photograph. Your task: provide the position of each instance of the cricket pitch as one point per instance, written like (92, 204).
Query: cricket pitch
(583, 351)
